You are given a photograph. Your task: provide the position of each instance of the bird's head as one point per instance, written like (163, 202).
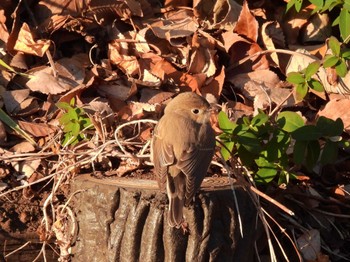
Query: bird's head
(190, 105)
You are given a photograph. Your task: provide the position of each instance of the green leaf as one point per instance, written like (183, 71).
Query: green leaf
(335, 21)
(329, 127)
(334, 45)
(259, 119)
(344, 22)
(273, 151)
(298, 4)
(246, 157)
(69, 126)
(347, 5)
(330, 152)
(295, 78)
(326, 5)
(75, 129)
(277, 146)
(313, 152)
(330, 4)
(14, 126)
(64, 119)
(315, 85)
(72, 113)
(72, 101)
(346, 54)
(311, 69)
(285, 176)
(246, 121)
(86, 123)
(249, 141)
(283, 138)
(299, 151)
(317, 3)
(227, 154)
(263, 162)
(2, 63)
(289, 121)
(301, 91)
(225, 124)
(63, 105)
(289, 5)
(307, 133)
(330, 60)
(341, 69)
(265, 175)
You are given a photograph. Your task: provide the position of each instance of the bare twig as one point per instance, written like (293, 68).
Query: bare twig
(18, 249)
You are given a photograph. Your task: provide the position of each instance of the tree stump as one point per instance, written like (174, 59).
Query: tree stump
(124, 219)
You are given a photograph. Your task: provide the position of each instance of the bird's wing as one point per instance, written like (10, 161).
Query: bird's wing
(163, 156)
(194, 163)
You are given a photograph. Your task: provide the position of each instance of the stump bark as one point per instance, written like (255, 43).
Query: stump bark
(125, 220)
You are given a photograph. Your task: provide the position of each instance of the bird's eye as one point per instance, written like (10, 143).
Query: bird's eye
(195, 111)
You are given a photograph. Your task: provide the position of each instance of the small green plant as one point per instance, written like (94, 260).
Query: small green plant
(74, 122)
(304, 80)
(262, 143)
(321, 6)
(338, 57)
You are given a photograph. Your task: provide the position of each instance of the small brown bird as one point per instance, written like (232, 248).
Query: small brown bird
(182, 148)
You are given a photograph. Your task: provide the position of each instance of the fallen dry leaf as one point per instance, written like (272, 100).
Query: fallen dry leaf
(310, 244)
(215, 86)
(27, 167)
(14, 100)
(22, 147)
(222, 14)
(247, 25)
(261, 86)
(4, 34)
(3, 134)
(25, 42)
(175, 30)
(294, 21)
(317, 29)
(43, 81)
(273, 38)
(36, 129)
(337, 108)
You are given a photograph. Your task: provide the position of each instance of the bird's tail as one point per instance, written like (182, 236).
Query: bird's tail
(176, 194)
(175, 214)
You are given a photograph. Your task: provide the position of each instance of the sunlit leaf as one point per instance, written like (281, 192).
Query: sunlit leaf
(315, 85)
(301, 91)
(344, 22)
(341, 69)
(289, 121)
(265, 175)
(334, 45)
(330, 60)
(312, 69)
(225, 123)
(295, 78)
(227, 154)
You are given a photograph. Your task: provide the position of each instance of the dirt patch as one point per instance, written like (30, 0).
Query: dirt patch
(20, 220)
